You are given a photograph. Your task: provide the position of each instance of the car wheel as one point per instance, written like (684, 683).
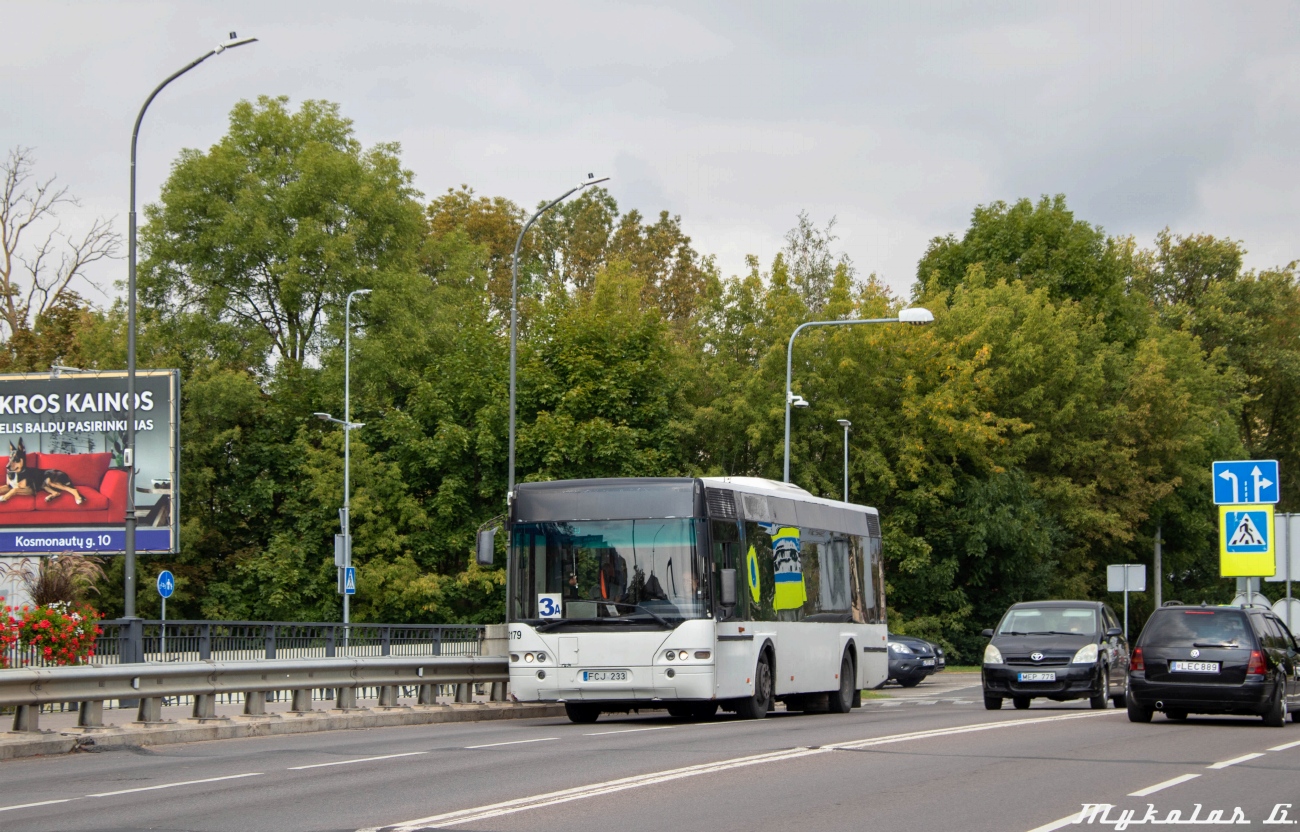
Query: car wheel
(1275, 717)
(841, 701)
(1021, 702)
(992, 703)
(1102, 700)
(581, 713)
(1136, 711)
(910, 681)
(757, 706)
(1176, 713)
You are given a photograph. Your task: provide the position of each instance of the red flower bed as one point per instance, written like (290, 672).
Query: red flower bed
(8, 635)
(60, 634)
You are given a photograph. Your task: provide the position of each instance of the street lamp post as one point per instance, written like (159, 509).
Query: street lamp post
(348, 427)
(347, 434)
(514, 316)
(128, 454)
(911, 315)
(846, 424)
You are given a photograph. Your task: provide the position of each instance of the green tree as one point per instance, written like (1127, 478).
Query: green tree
(276, 223)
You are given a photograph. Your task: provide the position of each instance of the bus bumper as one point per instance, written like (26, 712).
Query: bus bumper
(613, 684)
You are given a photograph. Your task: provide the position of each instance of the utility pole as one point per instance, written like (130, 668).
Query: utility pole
(1159, 570)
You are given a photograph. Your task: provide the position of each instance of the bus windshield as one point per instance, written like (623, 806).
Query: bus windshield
(607, 570)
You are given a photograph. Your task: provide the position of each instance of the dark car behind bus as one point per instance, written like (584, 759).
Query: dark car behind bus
(1213, 660)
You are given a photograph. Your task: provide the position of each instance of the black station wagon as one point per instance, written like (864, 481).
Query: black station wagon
(1213, 660)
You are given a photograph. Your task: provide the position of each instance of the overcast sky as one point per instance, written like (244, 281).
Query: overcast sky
(897, 119)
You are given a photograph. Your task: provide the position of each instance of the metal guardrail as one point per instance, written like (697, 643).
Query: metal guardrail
(28, 689)
(139, 640)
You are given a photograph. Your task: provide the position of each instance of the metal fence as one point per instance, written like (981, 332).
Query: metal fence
(205, 684)
(127, 641)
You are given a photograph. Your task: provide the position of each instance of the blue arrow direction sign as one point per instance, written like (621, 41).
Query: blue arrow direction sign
(350, 581)
(1250, 481)
(166, 584)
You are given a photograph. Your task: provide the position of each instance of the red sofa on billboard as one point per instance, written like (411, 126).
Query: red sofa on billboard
(102, 487)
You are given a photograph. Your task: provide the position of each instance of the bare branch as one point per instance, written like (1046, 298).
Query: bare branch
(30, 282)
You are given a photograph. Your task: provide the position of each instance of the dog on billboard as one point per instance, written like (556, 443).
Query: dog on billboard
(22, 480)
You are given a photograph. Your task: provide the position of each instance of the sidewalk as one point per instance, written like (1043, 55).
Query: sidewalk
(941, 684)
(59, 734)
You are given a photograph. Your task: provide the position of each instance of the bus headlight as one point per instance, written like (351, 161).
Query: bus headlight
(528, 657)
(683, 655)
(670, 655)
(541, 657)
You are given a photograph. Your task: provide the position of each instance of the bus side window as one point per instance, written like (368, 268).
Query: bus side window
(757, 587)
(878, 572)
(726, 555)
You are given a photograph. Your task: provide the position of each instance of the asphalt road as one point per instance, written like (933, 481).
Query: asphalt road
(930, 758)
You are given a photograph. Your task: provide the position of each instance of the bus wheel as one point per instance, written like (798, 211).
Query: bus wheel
(581, 713)
(757, 706)
(841, 701)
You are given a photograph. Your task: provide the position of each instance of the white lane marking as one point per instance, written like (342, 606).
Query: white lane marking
(174, 785)
(552, 798)
(539, 801)
(965, 729)
(632, 730)
(358, 760)
(42, 803)
(513, 742)
(1285, 746)
(1243, 758)
(1077, 817)
(1168, 784)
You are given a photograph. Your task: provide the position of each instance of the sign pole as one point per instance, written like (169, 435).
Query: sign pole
(166, 586)
(1126, 603)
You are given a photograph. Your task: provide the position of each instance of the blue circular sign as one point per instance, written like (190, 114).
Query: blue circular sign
(166, 584)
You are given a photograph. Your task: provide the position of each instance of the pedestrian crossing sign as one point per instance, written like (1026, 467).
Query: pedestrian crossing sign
(1246, 541)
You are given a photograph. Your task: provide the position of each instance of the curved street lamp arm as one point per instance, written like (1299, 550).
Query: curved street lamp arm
(129, 536)
(514, 316)
(789, 355)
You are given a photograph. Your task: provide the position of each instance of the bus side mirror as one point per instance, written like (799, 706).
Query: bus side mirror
(728, 587)
(486, 546)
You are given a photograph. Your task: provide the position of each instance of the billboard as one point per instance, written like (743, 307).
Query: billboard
(62, 437)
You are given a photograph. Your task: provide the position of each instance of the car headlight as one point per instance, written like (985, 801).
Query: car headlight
(992, 655)
(1087, 655)
(899, 647)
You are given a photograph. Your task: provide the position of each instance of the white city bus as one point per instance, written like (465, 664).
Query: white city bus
(692, 594)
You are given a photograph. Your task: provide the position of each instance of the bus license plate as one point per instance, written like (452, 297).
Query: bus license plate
(604, 675)
(1194, 667)
(1038, 677)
